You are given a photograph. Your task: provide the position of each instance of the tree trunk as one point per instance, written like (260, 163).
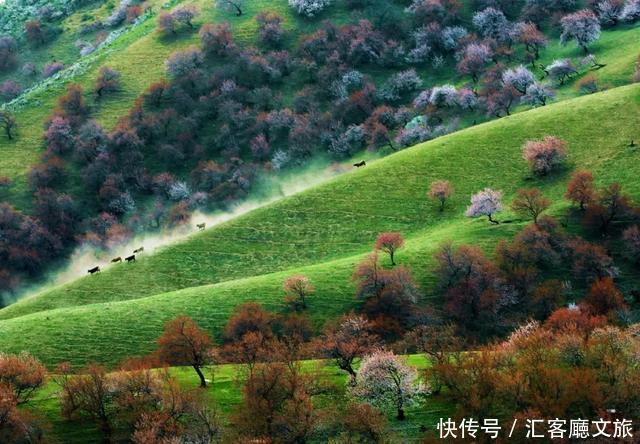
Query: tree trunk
(393, 262)
(203, 382)
(495, 222)
(401, 416)
(105, 428)
(238, 10)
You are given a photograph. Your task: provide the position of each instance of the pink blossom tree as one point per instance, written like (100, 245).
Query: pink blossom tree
(440, 190)
(390, 242)
(546, 155)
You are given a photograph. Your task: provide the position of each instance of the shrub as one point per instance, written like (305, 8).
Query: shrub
(29, 69)
(546, 155)
(270, 29)
(9, 90)
(217, 39)
(182, 63)
(603, 297)
(52, 68)
(8, 49)
(587, 85)
(119, 14)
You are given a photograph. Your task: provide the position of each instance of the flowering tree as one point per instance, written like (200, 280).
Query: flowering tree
(389, 243)
(184, 343)
(50, 69)
(345, 340)
(440, 190)
(493, 24)
(182, 63)
(23, 374)
(546, 155)
(520, 78)
(532, 39)
(387, 382)
(270, 28)
(8, 50)
(530, 203)
(475, 58)
(603, 297)
(631, 11)
(297, 289)
(537, 95)
(443, 96)
(9, 90)
(309, 8)
(217, 39)
(485, 203)
(581, 189)
(582, 26)
(560, 70)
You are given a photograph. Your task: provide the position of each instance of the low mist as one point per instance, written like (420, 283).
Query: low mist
(266, 189)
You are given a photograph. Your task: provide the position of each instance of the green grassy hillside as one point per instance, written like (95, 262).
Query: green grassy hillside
(148, 51)
(323, 232)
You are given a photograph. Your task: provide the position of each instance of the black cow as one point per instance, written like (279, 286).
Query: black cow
(93, 270)
(201, 226)
(131, 258)
(360, 164)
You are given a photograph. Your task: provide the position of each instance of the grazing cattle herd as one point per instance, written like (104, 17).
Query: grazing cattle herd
(132, 258)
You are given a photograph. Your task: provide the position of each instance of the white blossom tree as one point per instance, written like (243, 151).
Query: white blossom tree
(493, 24)
(560, 70)
(309, 8)
(519, 77)
(485, 203)
(582, 26)
(386, 382)
(631, 11)
(538, 95)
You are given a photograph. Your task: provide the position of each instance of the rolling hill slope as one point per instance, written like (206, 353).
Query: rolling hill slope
(617, 49)
(323, 232)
